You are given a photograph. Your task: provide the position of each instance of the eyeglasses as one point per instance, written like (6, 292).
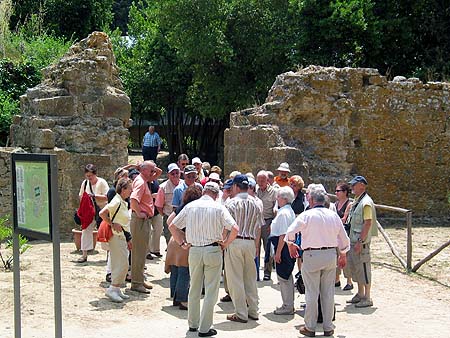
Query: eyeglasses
(337, 190)
(174, 173)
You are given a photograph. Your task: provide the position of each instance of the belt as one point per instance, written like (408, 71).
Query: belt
(203, 246)
(244, 237)
(322, 248)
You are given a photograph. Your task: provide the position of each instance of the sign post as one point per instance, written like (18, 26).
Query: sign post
(36, 215)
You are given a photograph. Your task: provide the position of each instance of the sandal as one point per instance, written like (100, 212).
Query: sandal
(82, 260)
(235, 318)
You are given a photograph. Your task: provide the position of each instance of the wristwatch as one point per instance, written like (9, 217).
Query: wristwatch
(360, 240)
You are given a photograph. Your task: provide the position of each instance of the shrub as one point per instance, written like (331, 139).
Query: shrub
(6, 233)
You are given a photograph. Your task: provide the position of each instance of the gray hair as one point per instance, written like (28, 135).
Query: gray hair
(262, 173)
(286, 193)
(318, 196)
(270, 174)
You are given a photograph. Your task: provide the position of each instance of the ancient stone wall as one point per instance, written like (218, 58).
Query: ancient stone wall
(80, 113)
(332, 123)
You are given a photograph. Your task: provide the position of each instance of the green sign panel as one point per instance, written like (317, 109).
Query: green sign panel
(32, 196)
(35, 187)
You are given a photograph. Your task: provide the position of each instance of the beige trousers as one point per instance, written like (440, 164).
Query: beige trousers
(118, 255)
(140, 231)
(205, 264)
(287, 291)
(319, 273)
(241, 277)
(87, 239)
(155, 233)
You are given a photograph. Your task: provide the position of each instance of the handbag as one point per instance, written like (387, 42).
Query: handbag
(299, 284)
(98, 219)
(76, 217)
(105, 233)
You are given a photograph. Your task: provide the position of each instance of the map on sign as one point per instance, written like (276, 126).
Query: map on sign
(32, 196)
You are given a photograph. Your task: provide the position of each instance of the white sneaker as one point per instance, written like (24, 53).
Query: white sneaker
(113, 295)
(122, 295)
(284, 311)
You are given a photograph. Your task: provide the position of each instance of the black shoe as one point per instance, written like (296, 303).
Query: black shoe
(266, 277)
(108, 277)
(182, 307)
(337, 284)
(176, 303)
(149, 256)
(210, 333)
(192, 329)
(157, 254)
(225, 298)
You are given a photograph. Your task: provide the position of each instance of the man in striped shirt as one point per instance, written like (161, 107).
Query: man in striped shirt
(240, 256)
(151, 144)
(209, 228)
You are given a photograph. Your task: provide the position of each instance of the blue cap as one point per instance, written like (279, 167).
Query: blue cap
(228, 184)
(358, 179)
(240, 179)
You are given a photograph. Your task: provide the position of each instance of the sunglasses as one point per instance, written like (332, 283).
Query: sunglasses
(339, 190)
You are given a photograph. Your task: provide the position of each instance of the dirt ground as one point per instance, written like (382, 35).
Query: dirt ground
(414, 305)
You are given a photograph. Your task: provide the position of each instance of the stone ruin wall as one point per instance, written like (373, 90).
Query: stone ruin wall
(331, 123)
(80, 113)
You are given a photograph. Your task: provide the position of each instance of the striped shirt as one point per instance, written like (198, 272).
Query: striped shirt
(247, 213)
(152, 140)
(204, 220)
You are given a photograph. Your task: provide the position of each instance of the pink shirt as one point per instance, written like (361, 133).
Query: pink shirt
(142, 194)
(320, 227)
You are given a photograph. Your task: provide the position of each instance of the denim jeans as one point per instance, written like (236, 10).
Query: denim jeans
(179, 283)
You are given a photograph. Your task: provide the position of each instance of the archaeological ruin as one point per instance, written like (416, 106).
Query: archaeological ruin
(332, 123)
(80, 113)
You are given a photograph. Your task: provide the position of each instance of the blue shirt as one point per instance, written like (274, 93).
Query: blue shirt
(177, 199)
(152, 140)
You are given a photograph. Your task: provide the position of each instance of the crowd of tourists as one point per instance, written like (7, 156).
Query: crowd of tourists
(231, 228)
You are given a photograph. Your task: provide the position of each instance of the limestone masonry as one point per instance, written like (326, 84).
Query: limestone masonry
(80, 113)
(332, 123)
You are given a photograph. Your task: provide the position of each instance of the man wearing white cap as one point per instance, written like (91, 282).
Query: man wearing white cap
(164, 197)
(283, 175)
(197, 163)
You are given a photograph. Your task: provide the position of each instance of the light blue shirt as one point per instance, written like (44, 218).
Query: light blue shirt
(152, 140)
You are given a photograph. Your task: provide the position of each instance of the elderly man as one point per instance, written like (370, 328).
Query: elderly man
(141, 202)
(190, 177)
(151, 144)
(283, 175)
(164, 197)
(268, 195)
(183, 161)
(209, 227)
(240, 256)
(363, 225)
(197, 163)
(322, 232)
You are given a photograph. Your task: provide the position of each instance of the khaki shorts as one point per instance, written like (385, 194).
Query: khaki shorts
(359, 264)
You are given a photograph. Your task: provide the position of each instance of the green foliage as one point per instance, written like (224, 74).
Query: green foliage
(77, 18)
(16, 78)
(73, 19)
(8, 108)
(6, 234)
